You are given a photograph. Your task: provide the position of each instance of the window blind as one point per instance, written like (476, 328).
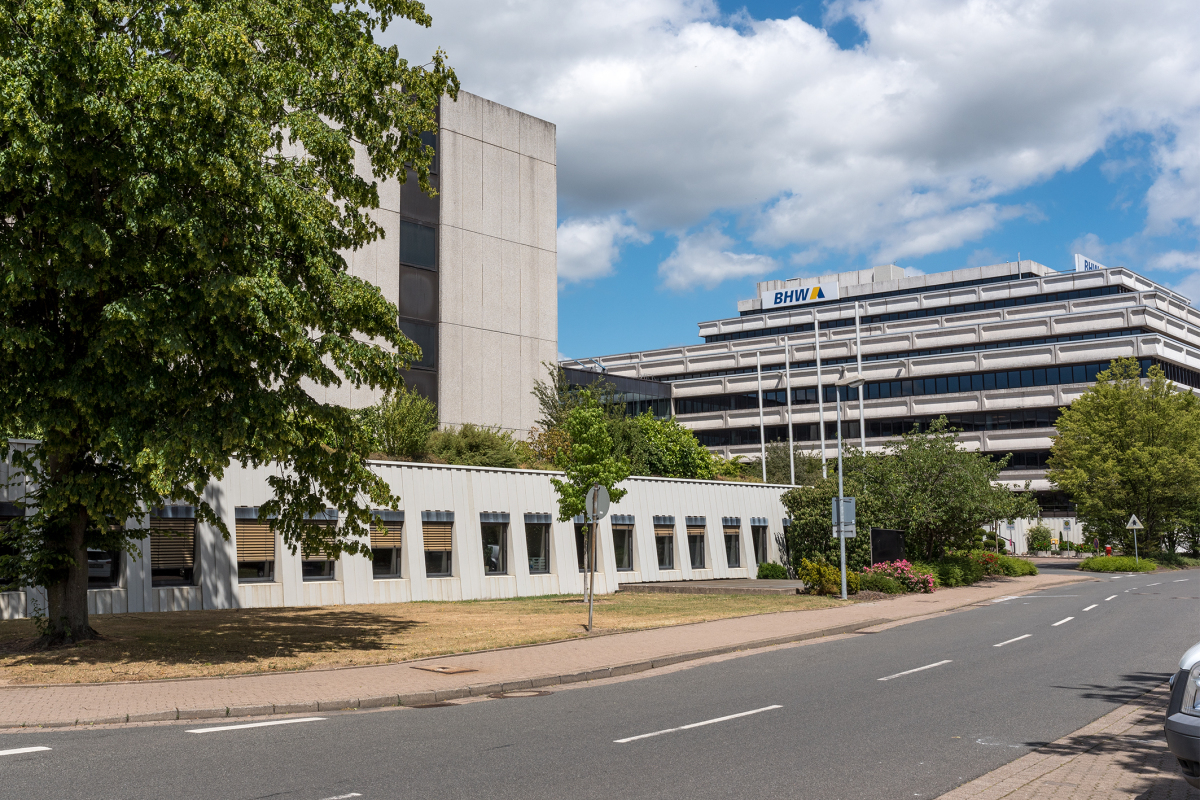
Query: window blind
(255, 541)
(437, 535)
(172, 543)
(732, 530)
(695, 530)
(389, 536)
(664, 530)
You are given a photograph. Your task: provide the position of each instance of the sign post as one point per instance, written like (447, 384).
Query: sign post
(1134, 525)
(596, 505)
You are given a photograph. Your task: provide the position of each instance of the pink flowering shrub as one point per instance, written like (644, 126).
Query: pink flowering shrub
(903, 573)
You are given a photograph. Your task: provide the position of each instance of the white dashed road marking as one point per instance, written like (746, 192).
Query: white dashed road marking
(17, 751)
(1093, 605)
(1061, 621)
(1010, 641)
(918, 669)
(1180, 580)
(256, 725)
(1109, 598)
(695, 725)
(1148, 585)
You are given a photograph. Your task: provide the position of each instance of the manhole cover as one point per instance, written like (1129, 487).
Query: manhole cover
(435, 705)
(518, 693)
(444, 669)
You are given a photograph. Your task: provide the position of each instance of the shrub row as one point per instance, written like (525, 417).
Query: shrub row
(899, 577)
(1117, 564)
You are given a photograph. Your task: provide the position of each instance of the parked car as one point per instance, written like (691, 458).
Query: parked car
(1183, 716)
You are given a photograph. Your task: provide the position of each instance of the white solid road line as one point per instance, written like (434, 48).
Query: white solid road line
(918, 669)
(255, 725)
(695, 725)
(1093, 605)
(1109, 598)
(1061, 621)
(17, 751)
(1010, 641)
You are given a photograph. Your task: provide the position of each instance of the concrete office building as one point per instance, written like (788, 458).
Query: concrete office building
(998, 349)
(472, 270)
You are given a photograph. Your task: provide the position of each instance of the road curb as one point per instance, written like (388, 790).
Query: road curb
(483, 689)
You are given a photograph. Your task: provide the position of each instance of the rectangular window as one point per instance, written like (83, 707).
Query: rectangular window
(418, 245)
(172, 551)
(316, 565)
(623, 547)
(104, 569)
(664, 543)
(386, 537)
(438, 550)
(255, 551)
(758, 535)
(582, 546)
(733, 547)
(537, 544)
(495, 547)
(695, 534)
(425, 337)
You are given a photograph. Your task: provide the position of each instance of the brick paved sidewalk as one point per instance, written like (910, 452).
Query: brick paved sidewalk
(1121, 755)
(492, 671)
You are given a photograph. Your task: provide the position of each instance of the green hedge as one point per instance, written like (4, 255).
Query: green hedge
(771, 571)
(1116, 564)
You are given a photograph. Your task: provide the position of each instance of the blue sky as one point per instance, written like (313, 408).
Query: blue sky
(705, 146)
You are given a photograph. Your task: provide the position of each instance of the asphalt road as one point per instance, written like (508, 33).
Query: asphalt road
(839, 731)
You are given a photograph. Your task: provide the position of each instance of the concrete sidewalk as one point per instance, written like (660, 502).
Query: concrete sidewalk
(474, 674)
(1121, 755)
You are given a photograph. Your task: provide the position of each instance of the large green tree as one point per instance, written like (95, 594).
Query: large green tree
(1128, 446)
(179, 181)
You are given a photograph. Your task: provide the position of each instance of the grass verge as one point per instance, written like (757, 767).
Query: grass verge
(187, 644)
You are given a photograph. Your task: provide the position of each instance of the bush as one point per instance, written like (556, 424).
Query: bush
(400, 425)
(772, 571)
(1116, 564)
(825, 578)
(912, 577)
(950, 575)
(1038, 538)
(874, 582)
(475, 446)
(1176, 560)
(1015, 567)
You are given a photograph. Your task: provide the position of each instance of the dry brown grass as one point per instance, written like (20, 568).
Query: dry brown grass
(189, 644)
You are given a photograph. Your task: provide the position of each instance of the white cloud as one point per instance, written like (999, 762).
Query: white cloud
(705, 259)
(669, 112)
(587, 248)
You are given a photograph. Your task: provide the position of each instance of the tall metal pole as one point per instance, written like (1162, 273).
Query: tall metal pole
(841, 523)
(820, 394)
(862, 414)
(787, 368)
(592, 583)
(762, 436)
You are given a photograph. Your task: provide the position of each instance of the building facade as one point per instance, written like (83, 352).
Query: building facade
(999, 350)
(463, 533)
(473, 270)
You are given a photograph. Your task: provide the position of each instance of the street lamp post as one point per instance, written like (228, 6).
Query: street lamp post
(851, 381)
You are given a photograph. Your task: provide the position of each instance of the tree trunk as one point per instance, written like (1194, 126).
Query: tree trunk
(66, 597)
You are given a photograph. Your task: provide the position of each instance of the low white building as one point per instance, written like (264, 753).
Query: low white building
(462, 533)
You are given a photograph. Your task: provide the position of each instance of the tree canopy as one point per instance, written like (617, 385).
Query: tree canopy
(179, 183)
(1131, 447)
(924, 484)
(589, 461)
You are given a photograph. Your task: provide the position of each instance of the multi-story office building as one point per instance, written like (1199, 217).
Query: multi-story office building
(999, 350)
(473, 270)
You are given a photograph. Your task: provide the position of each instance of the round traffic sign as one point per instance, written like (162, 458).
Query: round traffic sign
(597, 502)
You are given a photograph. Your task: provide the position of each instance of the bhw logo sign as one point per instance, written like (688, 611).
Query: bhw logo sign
(800, 296)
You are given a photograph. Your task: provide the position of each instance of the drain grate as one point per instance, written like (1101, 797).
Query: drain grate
(443, 669)
(518, 693)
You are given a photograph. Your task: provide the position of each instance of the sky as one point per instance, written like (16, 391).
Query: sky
(705, 146)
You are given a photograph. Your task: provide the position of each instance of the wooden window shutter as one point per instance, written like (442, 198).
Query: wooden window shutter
(437, 535)
(664, 530)
(255, 541)
(731, 530)
(389, 536)
(695, 530)
(172, 543)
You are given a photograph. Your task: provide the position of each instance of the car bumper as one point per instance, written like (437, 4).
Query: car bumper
(1183, 740)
